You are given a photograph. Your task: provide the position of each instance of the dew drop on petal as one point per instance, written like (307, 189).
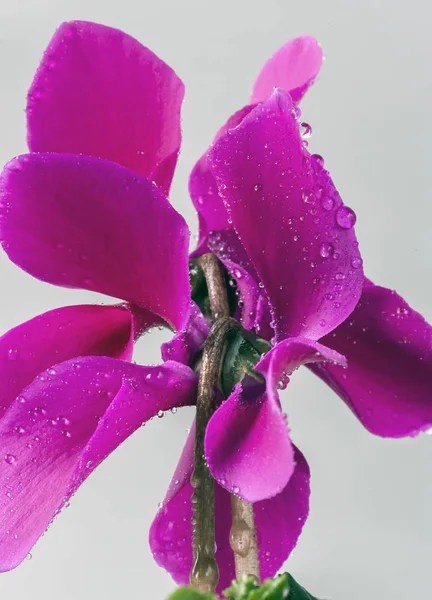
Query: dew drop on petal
(327, 202)
(356, 262)
(318, 160)
(322, 323)
(10, 459)
(308, 197)
(13, 354)
(305, 130)
(326, 250)
(345, 217)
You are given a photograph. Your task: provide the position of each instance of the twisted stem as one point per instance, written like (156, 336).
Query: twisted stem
(204, 574)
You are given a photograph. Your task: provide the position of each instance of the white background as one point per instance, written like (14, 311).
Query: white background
(370, 530)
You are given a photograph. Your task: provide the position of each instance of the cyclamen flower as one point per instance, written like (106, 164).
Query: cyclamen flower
(88, 209)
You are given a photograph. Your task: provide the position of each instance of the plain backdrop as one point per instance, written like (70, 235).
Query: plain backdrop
(370, 530)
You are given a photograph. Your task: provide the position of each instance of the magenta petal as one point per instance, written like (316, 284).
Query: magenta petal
(84, 222)
(247, 445)
(56, 336)
(290, 219)
(286, 357)
(186, 344)
(100, 92)
(279, 523)
(388, 382)
(203, 188)
(62, 426)
(293, 68)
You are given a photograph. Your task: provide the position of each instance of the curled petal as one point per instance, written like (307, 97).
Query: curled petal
(247, 444)
(290, 220)
(279, 522)
(60, 429)
(286, 357)
(186, 344)
(84, 222)
(56, 336)
(293, 68)
(100, 92)
(388, 382)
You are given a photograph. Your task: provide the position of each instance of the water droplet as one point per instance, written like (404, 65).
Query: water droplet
(297, 112)
(308, 197)
(318, 160)
(326, 250)
(402, 311)
(160, 414)
(19, 429)
(66, 434)
(10, 459)
(261, 285)
(305, 130)
(29, 556)
(356, 262)
(345, 217)
(322, 323)
(64, 421)
(258, 187)
(241, 537)
(174, 410)
(339, 276)
(237, 274)
(327, 202)
(13, 354)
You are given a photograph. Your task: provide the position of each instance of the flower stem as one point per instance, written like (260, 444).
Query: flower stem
(243, 540)
(204, 574)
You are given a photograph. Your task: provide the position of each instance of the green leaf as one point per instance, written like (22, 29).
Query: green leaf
(283, 587)
(189, 593)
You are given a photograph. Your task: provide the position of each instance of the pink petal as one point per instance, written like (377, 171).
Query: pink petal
(62, 426)
(56, 336)
(290, 219)
(84, 222)
(100, 92)
(186, 344)
(247, 444)
(388, 382)
(293, 68)
(286, 357)
(203, 188)
(279, 523)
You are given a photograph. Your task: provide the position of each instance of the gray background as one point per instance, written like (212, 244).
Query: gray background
(370, 531)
